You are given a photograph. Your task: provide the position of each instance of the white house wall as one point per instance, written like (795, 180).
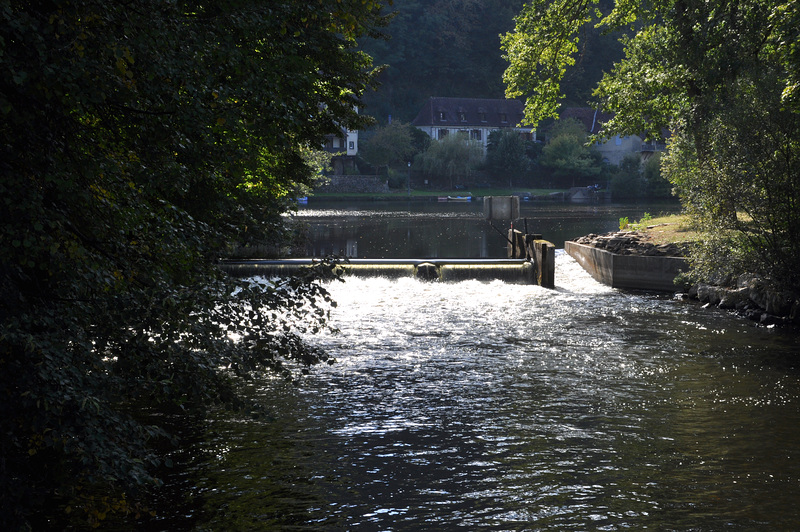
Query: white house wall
(352, 142)
(435, 132)
(616, 148)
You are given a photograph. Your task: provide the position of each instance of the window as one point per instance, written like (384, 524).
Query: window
(442, 134)
(462, 116)
(503, 118)
(352, 145)
(442, 116)
(475, 134)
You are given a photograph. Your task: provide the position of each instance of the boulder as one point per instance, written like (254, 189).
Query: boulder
(711, 294)
(734, 299)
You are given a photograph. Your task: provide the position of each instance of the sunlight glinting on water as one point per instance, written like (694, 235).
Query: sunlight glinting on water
(481, 405)
(337, 213)
(484, 402)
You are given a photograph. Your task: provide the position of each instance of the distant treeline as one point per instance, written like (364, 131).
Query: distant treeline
(452, 48)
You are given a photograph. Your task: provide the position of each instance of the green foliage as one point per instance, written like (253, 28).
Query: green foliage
(451, 160)
(420, 140)
(567, 157)
(722, 78)
(637, 226)
(389, 145)
(746, 194)
(634, 179)
(536, 64)
(439, 48)
(784, 48)
(140, 140)
(625, 224)
(506, 158)
(656, 185)
(398, 179)
(627, 182)
(569, 127)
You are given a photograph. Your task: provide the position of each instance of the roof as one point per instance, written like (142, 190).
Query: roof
(469, 112)
(594, 120)
(591, 119)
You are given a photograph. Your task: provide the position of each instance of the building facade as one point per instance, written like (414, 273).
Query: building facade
(613, 149)
(474, 117)
(345, 147)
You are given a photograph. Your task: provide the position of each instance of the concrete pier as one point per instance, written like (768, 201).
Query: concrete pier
(628, 271)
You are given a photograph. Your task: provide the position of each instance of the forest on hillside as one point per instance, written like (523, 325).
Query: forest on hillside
(451, 48)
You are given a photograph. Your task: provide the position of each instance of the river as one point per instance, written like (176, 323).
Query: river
(490, 406)
(431, 229)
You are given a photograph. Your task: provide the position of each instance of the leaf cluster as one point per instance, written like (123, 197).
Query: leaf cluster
(389, 145)
(451, 159)
(141, 141)
(720, 80)
(439, 48)
(506, 154)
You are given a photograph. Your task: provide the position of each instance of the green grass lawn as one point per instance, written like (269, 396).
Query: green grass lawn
(674, 228)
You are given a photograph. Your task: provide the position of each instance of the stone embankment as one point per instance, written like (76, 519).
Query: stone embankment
(751, 297)
(748, 295)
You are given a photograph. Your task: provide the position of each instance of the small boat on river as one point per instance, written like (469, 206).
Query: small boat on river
(455, 198)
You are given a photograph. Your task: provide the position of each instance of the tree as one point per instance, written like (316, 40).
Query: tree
(453, 158)
(656, 185)
(389, 145)
(627, 180)
(747, 193)
(505, 155)
(140, 142)
(721, 77)
(568, 157)
(439, 48)
(635, 179)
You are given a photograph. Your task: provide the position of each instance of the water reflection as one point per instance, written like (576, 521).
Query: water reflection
(425, 229)
(487, 406)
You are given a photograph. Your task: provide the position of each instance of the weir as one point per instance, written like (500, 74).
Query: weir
(516, 271)
(530, 259)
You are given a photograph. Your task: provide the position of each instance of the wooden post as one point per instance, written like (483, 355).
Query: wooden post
(516, 244)
(545, 257)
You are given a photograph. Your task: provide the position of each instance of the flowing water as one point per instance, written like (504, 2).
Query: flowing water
(490, 406)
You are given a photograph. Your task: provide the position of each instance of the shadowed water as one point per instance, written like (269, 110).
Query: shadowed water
(425, 229)
(489, 406)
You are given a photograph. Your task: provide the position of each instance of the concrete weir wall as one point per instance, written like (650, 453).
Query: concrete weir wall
(628, 271)
(508, 270)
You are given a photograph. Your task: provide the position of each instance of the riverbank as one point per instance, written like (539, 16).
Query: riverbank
(672, 236)
(434, 194)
